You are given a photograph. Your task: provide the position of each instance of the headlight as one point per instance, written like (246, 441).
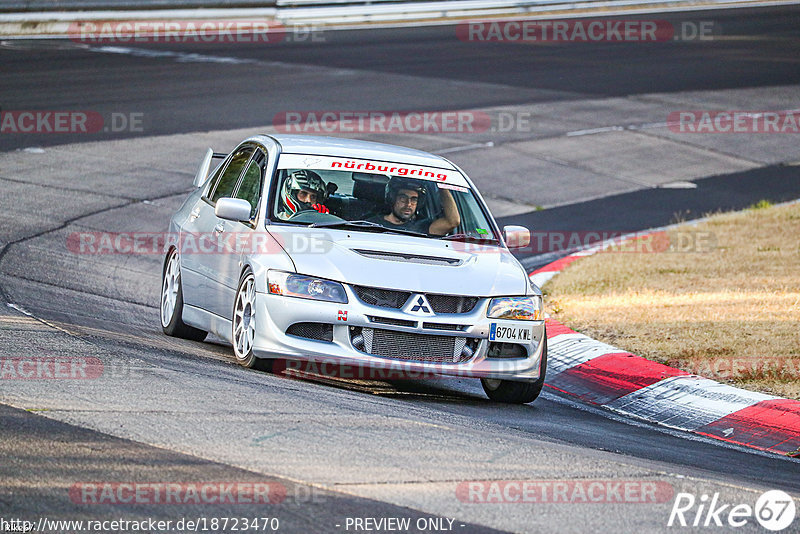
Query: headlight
(519, 308)
(305, 287)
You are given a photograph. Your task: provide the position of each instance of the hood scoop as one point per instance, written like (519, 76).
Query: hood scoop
(408, 258)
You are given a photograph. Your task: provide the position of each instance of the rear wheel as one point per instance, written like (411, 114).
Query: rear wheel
(172, 302)
(516, 392)
(244, 324)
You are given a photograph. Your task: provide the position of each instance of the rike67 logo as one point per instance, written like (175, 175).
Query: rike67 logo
(774, 510)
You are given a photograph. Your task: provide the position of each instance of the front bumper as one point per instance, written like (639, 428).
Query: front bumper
(276, 314)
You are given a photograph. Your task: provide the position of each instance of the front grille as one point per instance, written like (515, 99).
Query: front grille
(391, 321)
(410, 346)
(452, 303)
(316, 331)
(388, 298)
(385, 298)
(445, 326)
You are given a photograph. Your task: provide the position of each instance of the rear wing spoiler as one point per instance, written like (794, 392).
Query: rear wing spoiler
(202, 172)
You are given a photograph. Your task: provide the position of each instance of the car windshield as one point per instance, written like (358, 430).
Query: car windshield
(375, 196)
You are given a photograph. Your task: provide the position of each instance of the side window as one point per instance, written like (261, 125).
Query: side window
(250, 187)
(230, 176)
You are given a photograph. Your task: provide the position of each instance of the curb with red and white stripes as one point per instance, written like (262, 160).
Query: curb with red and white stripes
(603, 375)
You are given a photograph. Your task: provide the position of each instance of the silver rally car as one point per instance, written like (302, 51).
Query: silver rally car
(302, 248)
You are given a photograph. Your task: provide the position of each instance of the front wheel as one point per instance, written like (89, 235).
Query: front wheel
(244, 324)
(172, 302)
(512, 392)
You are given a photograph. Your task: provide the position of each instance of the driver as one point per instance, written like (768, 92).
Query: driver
(303, 190)
(403, 195)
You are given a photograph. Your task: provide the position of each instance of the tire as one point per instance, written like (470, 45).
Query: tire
(244, 323)
(513, 392)
(171, 309)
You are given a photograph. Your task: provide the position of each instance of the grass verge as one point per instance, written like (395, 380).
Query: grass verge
(720, 299)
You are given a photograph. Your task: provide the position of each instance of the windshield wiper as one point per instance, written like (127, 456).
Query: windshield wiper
(472, 238)
(365, 225)
(345, 223)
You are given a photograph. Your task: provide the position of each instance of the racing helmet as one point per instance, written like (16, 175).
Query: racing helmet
(395, 184)
(297, 180)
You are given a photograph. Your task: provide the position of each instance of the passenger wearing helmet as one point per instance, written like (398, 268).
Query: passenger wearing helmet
(403, 196)
(303, 190)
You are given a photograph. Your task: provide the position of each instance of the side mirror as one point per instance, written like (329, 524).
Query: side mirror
(233, 209)
(202, 172)
(516, 236)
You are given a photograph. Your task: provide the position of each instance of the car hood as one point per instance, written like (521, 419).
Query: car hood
(394, 261)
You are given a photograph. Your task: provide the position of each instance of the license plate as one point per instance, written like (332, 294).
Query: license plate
(520, 334)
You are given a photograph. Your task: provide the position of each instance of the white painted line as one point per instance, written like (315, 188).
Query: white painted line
(180, 57)
(678, 185)
(450, 150)
(19, 309)
(592, 131)
(649, 126)
(686, 402)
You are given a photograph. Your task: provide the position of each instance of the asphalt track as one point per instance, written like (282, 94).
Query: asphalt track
(384, 449)
(422, 68)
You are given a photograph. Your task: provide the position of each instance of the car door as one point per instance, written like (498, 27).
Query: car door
(202, 237)
(238, 235)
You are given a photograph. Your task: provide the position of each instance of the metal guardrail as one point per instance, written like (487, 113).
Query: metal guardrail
(323, 12)
(18, 6)
(295, 3)
(12, 6)
(365, 7)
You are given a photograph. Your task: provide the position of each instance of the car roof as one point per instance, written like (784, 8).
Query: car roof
(354, 148)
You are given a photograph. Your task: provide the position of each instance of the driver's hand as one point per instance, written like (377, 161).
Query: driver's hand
(320, 208)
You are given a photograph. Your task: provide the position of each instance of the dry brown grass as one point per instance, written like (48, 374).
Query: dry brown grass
(728, 311)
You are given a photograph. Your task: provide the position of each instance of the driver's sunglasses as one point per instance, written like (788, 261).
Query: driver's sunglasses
(405, 199)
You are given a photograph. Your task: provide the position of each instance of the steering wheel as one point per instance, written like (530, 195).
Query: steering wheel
(313, 216)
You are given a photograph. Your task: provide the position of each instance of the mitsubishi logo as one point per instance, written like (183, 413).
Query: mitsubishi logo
(421, 306)
(418, 305)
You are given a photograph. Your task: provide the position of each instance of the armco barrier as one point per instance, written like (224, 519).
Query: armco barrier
(350, 10)
(14, 6)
